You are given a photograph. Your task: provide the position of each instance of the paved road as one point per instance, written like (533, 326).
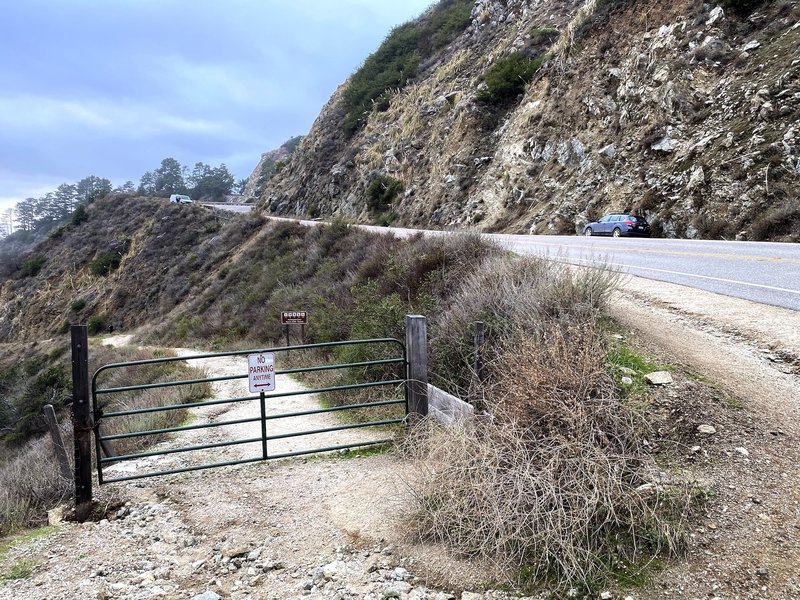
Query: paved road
(237, 208)
(765, 272)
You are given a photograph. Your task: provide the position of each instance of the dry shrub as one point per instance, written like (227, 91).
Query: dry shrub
(555, 485)
(515, 297)
(30, 485)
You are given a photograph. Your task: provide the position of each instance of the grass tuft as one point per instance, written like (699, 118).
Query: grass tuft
(20, 570)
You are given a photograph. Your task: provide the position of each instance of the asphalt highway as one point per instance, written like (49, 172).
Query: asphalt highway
(765, 272)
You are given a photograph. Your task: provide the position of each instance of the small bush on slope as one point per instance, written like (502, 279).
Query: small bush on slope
(395, 62)
(506, 78)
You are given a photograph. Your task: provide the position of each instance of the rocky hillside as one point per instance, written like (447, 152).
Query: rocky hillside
(686, 112)
(269, 163)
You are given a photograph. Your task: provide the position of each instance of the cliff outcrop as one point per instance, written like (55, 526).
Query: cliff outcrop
(685, 112)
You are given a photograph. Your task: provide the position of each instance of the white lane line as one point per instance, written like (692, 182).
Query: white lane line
(721, 279)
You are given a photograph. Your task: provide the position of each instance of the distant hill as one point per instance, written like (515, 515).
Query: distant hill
(131, 257)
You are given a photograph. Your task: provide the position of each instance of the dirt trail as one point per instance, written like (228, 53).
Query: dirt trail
(747, 544)
(751, 350)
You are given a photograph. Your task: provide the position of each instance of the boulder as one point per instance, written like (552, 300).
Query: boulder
(658, 378)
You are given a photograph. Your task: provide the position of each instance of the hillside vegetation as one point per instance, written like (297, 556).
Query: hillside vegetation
(185, 279)
(539, 116)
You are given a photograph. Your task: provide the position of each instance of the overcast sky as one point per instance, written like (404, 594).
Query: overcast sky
(109, 88)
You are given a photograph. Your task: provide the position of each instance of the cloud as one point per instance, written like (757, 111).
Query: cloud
(17, 186)
(35, 115)
(112, 88)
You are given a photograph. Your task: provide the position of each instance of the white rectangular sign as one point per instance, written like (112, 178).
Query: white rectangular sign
(261, 372)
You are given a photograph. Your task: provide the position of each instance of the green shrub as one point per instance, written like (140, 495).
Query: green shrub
(78, 216)
(395, 62)
(451, 18)
(32, 266)
(105, 263)
(97, 324)
(382, 192)
(77, 305)
(25, 391)
(506, 78)
(391, 66)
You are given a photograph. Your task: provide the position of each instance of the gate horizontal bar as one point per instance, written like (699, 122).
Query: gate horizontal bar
(139, 411)
(332, 448)
(244, 461)
(152, 361)
(229, 463)
(179, 450)
(165, 384)
(319, 411)
(153, 409)
(122, 436)
(366, 363)
(283, 436)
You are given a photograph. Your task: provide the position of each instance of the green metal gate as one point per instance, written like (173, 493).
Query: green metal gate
(384, 378)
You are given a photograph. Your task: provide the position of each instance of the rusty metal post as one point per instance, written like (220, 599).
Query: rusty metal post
(58, 441)
(479, 340)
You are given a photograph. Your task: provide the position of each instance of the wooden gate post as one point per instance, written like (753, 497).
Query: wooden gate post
(417, 355)
(81, 421)
(58, 441)
(479, 341)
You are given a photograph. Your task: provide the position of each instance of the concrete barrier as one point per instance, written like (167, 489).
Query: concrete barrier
(447, 409)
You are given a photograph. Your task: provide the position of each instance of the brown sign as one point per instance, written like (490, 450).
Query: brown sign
(294, 317)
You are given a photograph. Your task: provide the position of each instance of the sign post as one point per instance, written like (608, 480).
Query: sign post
(294, 317)
(260, 379)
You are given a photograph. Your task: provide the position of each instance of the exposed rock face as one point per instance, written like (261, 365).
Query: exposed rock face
(680, 111)
(269, 163)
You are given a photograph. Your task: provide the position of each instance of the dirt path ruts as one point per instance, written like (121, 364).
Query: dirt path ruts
(751, 350)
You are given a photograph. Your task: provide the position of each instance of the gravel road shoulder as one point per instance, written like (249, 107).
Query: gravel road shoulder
(744, 381)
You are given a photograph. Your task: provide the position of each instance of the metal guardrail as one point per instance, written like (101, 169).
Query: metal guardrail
(100, 415)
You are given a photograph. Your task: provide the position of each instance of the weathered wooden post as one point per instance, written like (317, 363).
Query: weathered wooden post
(417, 355)
(81, 421)
(479, 340)
(58, 441)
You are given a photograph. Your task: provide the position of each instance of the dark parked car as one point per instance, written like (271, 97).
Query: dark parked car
(618, 225)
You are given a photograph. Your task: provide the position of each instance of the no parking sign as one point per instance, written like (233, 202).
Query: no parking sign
(261, 372)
